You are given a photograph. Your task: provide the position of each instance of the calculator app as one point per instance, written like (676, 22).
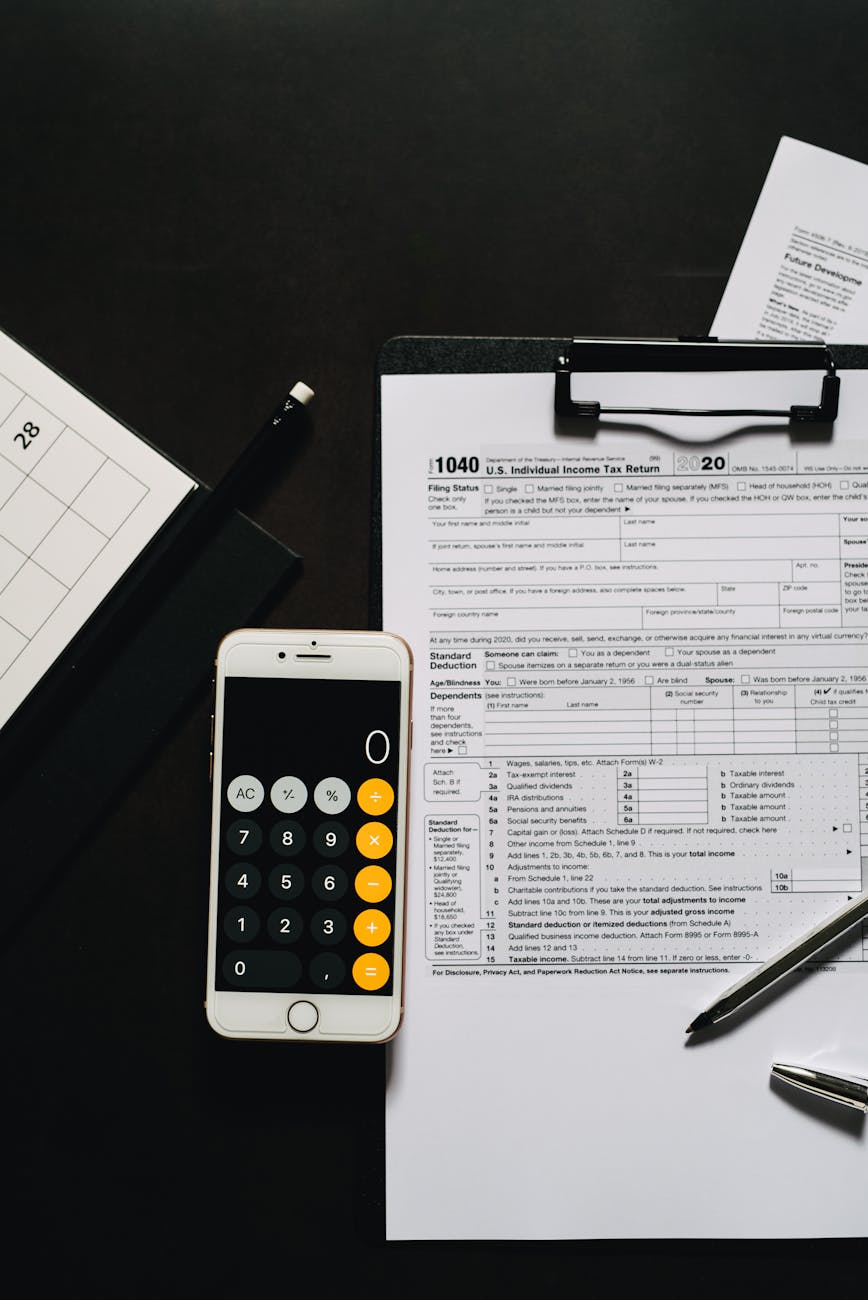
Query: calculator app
(308, 830)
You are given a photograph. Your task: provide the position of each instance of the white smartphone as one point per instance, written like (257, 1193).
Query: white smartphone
(310, 758)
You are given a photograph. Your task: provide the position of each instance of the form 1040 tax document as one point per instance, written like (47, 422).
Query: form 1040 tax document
(641, 767)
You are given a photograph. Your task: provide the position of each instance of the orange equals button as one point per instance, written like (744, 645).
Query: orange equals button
(370, 971)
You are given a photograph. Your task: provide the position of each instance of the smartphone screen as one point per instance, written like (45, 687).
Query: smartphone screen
(308, 836)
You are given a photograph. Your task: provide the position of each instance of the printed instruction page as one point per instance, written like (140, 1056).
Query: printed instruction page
(80, 497)
(640, 768)
(802, 270)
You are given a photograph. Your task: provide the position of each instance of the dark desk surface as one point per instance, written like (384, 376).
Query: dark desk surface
(201, 202)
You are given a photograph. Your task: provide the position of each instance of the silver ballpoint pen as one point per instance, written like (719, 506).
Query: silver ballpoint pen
(760, 979)
(848, 1089)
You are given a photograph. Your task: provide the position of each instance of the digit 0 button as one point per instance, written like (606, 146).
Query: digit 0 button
(375, 796)
(373, 840)
(372, 927)
(370, 971)
(245, 793)
(373, 883)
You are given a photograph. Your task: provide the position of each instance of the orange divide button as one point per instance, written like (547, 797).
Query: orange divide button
(375, 796)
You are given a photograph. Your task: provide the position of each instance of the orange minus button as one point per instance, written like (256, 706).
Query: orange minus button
(373, 883)
(370, 971)
(374, 840)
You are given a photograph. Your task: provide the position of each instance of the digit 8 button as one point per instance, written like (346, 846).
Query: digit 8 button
(374, 840)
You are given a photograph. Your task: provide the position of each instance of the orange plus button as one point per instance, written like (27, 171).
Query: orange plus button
(375, 796)
(370, 971)
(372, 927)
(374, 840)
(373, 883)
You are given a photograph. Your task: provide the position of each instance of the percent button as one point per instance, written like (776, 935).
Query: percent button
(332, 795)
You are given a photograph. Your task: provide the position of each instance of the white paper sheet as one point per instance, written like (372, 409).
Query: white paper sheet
(802, 270)
(640, 763)
(80, 497)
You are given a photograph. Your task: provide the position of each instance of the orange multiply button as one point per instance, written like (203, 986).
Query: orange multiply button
(375, 796)
(373, 840)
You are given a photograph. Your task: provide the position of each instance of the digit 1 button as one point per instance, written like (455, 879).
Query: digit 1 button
(372, 927)
(241, 924)
(373, 883)
(370, 971)
(374, 840)
(245, 793)
(375, 796)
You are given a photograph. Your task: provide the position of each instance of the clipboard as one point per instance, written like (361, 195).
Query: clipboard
(532, 358)
(100, 711)
(579, 416)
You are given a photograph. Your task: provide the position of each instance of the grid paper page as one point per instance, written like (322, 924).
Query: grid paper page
(80, 497)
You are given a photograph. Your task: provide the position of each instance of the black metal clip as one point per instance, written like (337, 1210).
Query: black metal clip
(597, 355)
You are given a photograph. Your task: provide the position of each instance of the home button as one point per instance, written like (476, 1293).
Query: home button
(302, 1017)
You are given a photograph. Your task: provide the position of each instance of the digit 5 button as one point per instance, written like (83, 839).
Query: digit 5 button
(373, 840)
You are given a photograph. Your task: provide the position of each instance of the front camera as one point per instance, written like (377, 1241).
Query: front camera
(281, 654)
